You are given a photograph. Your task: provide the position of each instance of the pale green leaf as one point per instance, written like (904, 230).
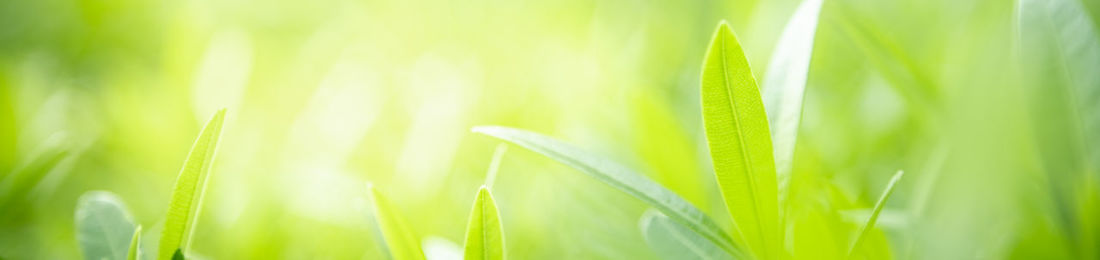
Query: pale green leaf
(785, 85)
(135, 245)
(740, 144)
(103, 226)
(188, 191)
(18, 184)
(1060, 50)
(674, 241)
(494, 165)
(399, 241)
(484, 233)
(875, 213)
(618, 177)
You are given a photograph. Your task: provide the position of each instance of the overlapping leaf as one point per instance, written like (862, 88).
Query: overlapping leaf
(188, 191)
(740, 144)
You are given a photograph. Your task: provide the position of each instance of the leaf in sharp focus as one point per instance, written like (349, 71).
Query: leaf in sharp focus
(135, 245)
(188, 191)
(785, 85)
(875, 213)
(400, 242)
(672, 240)
(620, 178)
(1060, 51)
(740, 144)
(103, 226)
(484, 233)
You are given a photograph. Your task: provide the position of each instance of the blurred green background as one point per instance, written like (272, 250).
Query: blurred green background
(326, 95)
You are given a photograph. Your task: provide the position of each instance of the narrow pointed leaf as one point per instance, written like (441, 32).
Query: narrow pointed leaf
(875, 213)
(399, 241)
(188, 190)
(104, 226)
(494, 165)
(135, 245)
(674, 241)
(619, 177)
(484, 233)
(785, 85)
(740, 144)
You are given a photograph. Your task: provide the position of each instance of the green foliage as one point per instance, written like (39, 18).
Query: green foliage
(484, 232)
(135, 245)
(740, 145)
(399, 241)
(672, 240)
(785, 86)
(105, 228)
(619, 177)
(187, 193)
(17, 184)
(1060, 49)
(875, 213)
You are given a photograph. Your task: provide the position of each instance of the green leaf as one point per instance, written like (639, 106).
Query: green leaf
(400, 242)
(188, 191)
(494, 165)
(672, 240)
(875, 213)
(103, 226)
(135, 245)
(178, 255)
(785, 85)
(18, 183)
(740, 144)
(1060, 51)
(618, 177)
(484, 233)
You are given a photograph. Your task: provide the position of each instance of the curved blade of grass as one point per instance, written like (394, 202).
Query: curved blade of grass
(484, 233)
(135, 245)
(785, 85)
(494, 165)
(188, 191)
(619, 177)
(1060, 50)
(400, 242)
(672, 240)
(740, 144)
(875, 213)
(103, 226)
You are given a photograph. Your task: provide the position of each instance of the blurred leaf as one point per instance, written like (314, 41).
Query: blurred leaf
(875, 213)
(784, 87)
(178, 255)
(494, 165)
(1060, 51)
(17, 184)
(8, 134)
(400, 242)
(135, 245)
(188, 191)
(484, 232)
(104, 226)
(740, 145)
(618, 177)
(672, 240)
